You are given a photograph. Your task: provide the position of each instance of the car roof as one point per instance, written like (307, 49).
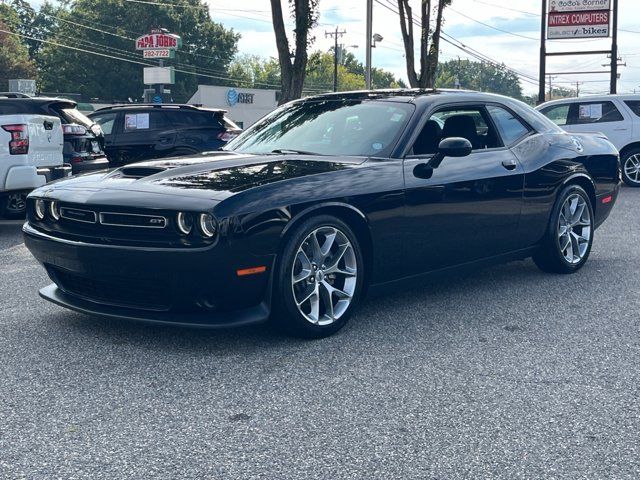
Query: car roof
(162, 106)
(38, 100)
(413, 95)
(590, 98)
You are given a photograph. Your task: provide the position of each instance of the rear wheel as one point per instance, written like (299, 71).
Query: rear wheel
(631, 168)
(567, 243)
(320, 278)
(13, 205)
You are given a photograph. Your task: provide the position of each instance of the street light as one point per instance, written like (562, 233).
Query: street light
(376, 39)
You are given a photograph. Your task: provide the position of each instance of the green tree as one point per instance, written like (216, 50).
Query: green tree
(481, 76)
(207, 48)
(14, 54)
(252, 71)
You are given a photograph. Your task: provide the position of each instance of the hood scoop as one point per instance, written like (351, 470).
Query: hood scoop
(140, 171)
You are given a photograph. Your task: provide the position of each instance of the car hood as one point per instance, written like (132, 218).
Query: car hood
(217, 175)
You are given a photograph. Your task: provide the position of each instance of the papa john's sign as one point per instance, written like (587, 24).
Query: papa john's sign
(157, 40)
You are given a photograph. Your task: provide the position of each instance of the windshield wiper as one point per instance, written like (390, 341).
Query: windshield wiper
(287, 151)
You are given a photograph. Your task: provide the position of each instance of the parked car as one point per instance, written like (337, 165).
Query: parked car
(30, 156)
(83, 139)
(140, 132)
(296, 222)
(617, 116)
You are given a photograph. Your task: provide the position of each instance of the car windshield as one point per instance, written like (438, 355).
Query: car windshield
(327, 127)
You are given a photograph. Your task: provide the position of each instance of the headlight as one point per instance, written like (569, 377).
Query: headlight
(207, 225)
(40, 209)
(54, 211)
(184, 222)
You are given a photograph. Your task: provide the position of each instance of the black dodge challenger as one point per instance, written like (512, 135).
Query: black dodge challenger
(321, 200)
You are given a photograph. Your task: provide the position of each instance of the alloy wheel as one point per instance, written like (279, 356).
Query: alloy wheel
(574, 228)
(324, 275)
(632, 168)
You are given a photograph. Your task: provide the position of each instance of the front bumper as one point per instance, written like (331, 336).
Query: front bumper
(187, 286)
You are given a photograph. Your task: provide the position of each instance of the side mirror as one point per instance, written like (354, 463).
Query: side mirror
(448, 147)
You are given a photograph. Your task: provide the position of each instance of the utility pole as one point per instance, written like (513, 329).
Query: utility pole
(578, 88)
(550, 87)
(336, 35)
(543, 52)
(367, 72)
(614, 50)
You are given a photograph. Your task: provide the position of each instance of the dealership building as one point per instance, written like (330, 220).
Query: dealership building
(245, 105)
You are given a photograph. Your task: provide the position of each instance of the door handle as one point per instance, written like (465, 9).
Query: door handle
(510, 164)
(620, 129)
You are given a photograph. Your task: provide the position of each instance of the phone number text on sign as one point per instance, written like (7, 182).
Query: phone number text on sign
(164, 53)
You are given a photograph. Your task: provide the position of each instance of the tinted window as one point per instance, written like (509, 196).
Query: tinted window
(594, 112)
(106, 121)
(195, 119)
(9, 109)
(558, 114)
(509, 126)
(634, 105)
(328, 127)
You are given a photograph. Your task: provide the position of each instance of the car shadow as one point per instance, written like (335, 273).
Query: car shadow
(425, 308)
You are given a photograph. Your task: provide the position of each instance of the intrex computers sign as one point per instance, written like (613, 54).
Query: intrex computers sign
(578, 19)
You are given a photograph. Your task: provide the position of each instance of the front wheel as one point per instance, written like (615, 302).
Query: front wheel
(631, 168)
(320, 278)
(567, 243)
(13, 205)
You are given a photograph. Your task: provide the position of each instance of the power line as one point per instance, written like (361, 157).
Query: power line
(113, 57)
(492, 27)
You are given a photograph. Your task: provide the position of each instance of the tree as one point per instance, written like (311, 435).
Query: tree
(206, 52)
(481, 76)
(252, 71)
(305, 13)
(14, 54)
(429, 40)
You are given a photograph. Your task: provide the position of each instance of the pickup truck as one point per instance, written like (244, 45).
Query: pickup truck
(30, 156)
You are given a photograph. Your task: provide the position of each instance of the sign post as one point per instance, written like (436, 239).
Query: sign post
(570, 19)
(161, 45)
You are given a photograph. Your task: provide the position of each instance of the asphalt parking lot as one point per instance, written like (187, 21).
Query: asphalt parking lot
(503, 373)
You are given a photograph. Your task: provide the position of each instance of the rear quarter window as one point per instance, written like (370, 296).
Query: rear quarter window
(634, 105)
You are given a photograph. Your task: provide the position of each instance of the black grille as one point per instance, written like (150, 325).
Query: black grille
(146, 294)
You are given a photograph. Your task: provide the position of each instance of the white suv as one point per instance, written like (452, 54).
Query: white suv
(617, 116)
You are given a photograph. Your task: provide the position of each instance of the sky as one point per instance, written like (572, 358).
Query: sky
(483, 25)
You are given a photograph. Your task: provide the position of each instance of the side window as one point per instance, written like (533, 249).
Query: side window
(595, 112)
(509, 126)
(194, 119)
(634, 105)
(141, 121)
(106, 122)
(558, 114)
(469, 123)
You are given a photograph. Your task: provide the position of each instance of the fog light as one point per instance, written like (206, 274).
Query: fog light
(207, 225)
(54, 211)
(185, 223)
(40, 209)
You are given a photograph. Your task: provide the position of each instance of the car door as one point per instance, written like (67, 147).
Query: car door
(145, 134)
(470, 207)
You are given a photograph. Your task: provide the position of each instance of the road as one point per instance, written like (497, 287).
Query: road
(503, 373)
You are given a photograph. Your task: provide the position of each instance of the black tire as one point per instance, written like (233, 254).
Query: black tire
(13, 205)
(551, 257)
(629, 163)
(287, 316)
